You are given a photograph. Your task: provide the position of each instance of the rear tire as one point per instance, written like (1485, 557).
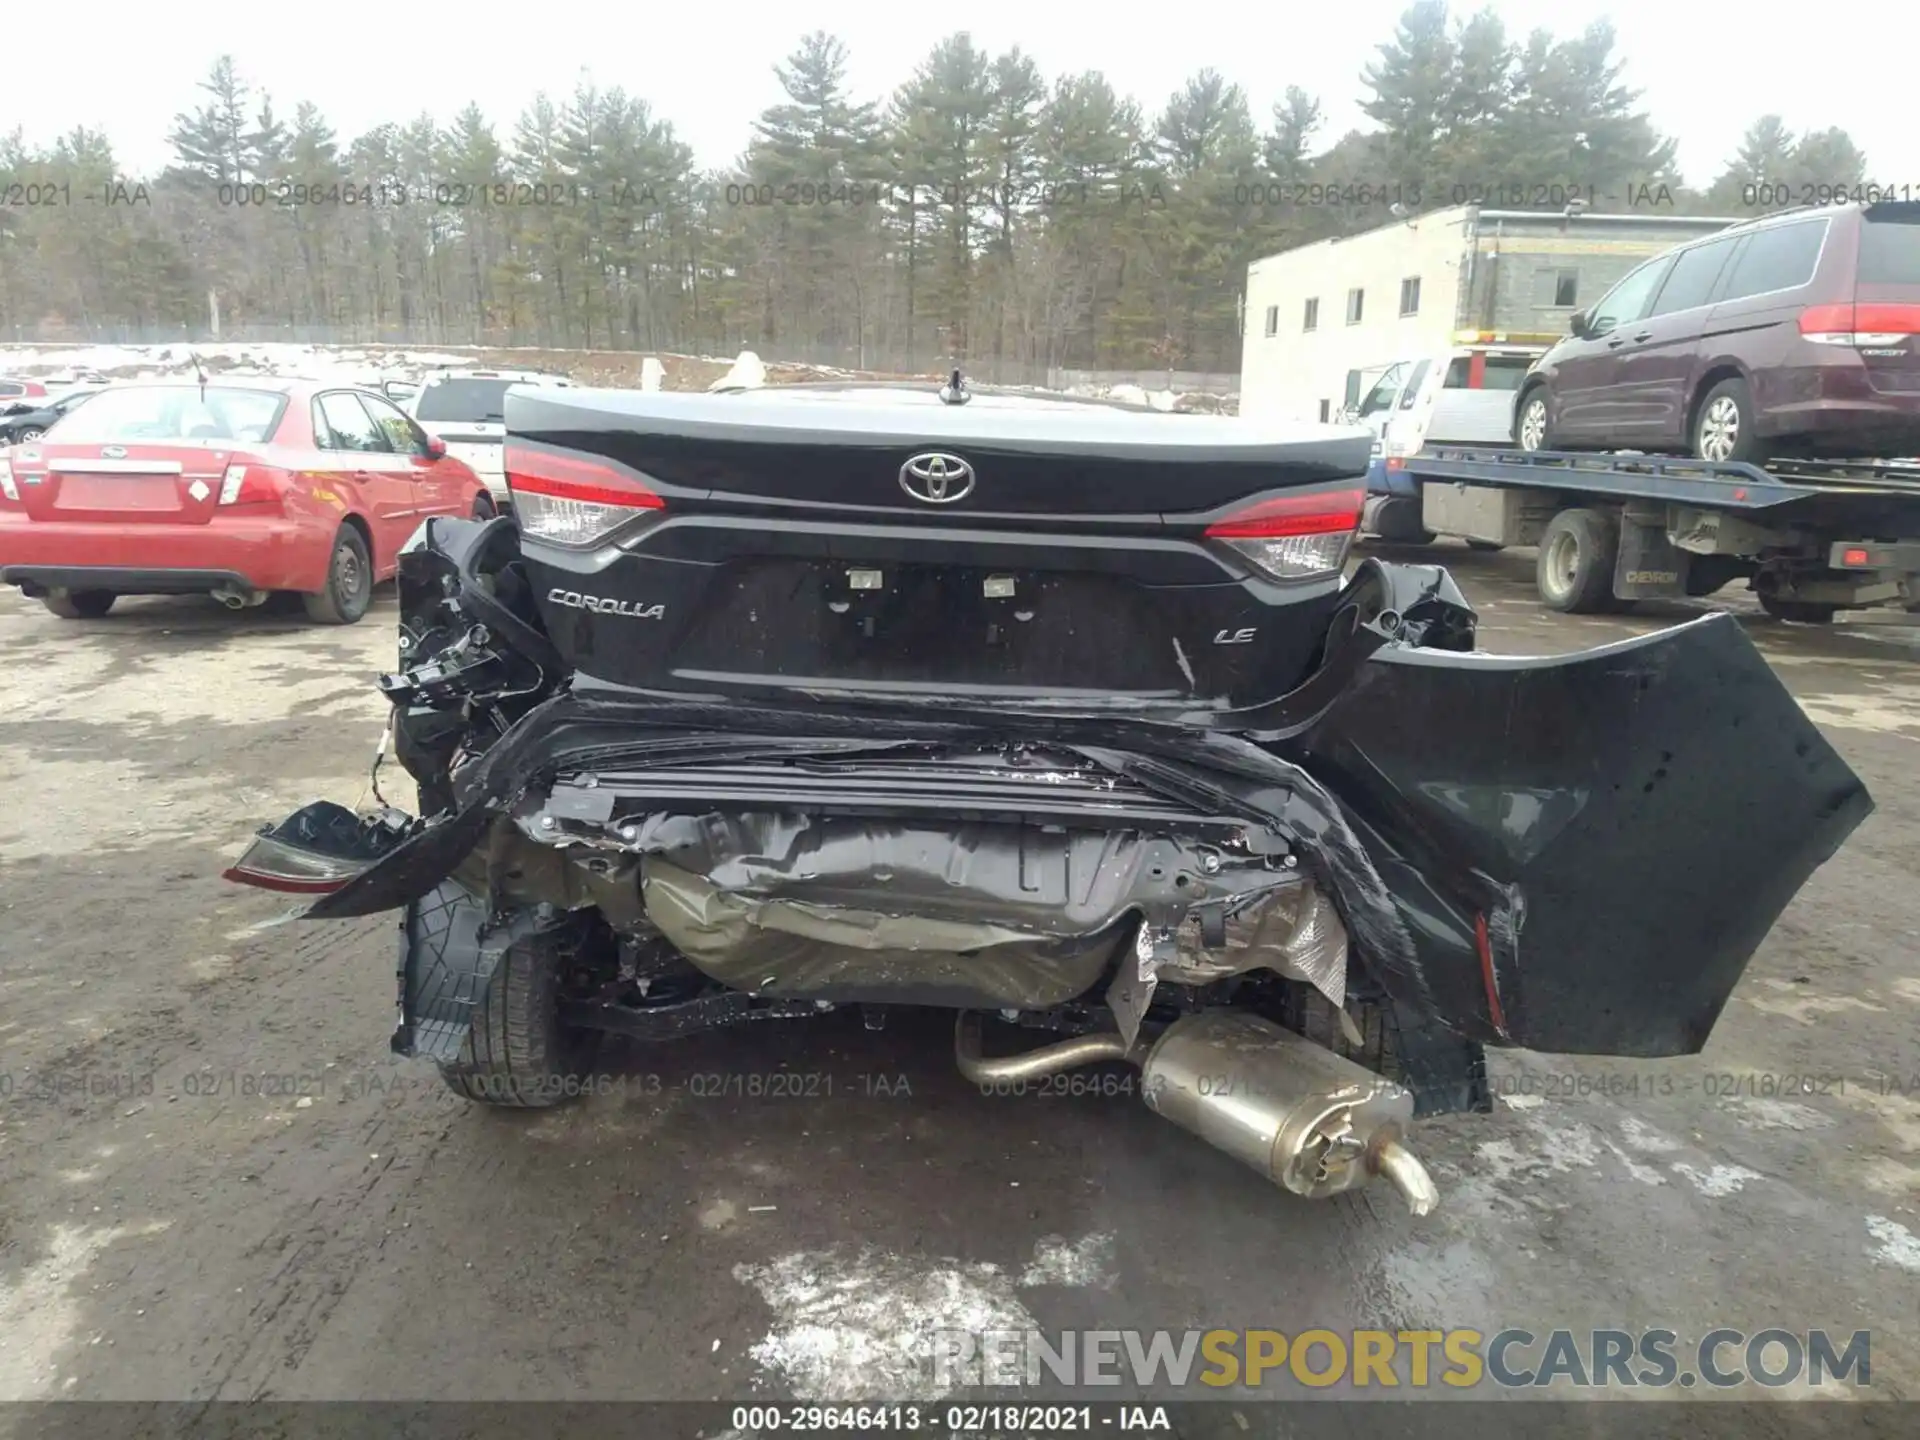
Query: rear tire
(517, 1054)
(80, 604)
(1574, 569)
(26, 436)
(1531, 430)
(1798, 612)
(349, 591)
(1723, 428)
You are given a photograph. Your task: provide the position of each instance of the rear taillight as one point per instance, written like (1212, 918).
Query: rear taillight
(1294, 537)
(572, 500)
(252, 485)
(1865, 326)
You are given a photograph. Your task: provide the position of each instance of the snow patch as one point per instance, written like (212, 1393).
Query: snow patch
(1524, 1102)
(1088, 1262)
(1898, 1245)
(1781, 1115)
(1716, 1182)
(652, 373)
(864, 1325)
(747, 372)
(1642, 1136)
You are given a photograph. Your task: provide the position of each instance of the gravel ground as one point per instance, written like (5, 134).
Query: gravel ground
(215, 1183)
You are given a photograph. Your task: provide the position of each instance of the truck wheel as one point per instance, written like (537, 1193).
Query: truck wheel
(1530, 429)
(349, 589)
(1574, 571)
(1723, 426)
(517, 1054)
(1798, 612)
(79, 604)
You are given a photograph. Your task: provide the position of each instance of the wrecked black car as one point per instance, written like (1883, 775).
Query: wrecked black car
(1062, 716)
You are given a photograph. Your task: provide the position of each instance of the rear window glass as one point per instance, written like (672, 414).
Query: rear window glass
(175, 412)
(1890, 252)
(482, 401)
(1779, 258)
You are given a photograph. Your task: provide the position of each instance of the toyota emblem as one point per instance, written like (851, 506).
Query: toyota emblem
(114, 452)
(937, 478)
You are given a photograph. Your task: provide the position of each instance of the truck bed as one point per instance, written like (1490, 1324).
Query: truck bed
(1876, 497)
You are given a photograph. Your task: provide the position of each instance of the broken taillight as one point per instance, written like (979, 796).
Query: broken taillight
(271, 864)
(1294, 537)
(572, 500)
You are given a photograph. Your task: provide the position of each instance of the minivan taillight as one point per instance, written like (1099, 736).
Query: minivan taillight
(1295, 537)
(1867, 325)
(571, 500)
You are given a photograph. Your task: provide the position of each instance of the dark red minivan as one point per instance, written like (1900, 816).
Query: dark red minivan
(1793, 335)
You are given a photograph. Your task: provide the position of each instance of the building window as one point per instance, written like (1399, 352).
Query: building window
(1356, 306)
(1556, 289)
(1311, 320)
(1273, 320)
(1410, 296)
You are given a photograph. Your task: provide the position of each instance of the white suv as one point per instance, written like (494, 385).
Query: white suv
(467, 409)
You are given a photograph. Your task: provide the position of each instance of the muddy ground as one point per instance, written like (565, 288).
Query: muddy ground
(216, 1183)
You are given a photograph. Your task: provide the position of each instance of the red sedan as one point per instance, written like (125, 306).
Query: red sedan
(236, 489)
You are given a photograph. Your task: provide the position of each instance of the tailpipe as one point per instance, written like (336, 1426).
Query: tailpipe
(1312, 1122)
(1309, 1120)
(235, 598)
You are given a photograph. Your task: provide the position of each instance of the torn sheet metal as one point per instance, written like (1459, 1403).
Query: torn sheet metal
(1293, 931)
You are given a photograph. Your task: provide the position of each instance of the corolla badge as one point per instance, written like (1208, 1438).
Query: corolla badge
(113, 452)
(937, 478)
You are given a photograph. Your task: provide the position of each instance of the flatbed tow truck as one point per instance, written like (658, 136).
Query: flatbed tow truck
(1812, 537)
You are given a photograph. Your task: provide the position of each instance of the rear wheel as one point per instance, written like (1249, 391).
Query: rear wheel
(1574, 570)
(1723, 427)
(349, 590)
(1530, 431)
(517, 1054)
(80, 604)
(27, 435)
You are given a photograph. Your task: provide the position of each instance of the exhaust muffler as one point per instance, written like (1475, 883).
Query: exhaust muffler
(1311, 1121)
(235, 599)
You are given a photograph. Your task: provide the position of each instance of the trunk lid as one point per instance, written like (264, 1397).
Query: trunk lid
(1887, 297)
(880, 540)
(176, 483)
(840, 451)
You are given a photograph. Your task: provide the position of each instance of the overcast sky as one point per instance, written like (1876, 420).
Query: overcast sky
(1707, 67)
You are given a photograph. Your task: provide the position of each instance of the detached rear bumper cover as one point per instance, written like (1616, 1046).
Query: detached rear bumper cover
(1585, 849)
